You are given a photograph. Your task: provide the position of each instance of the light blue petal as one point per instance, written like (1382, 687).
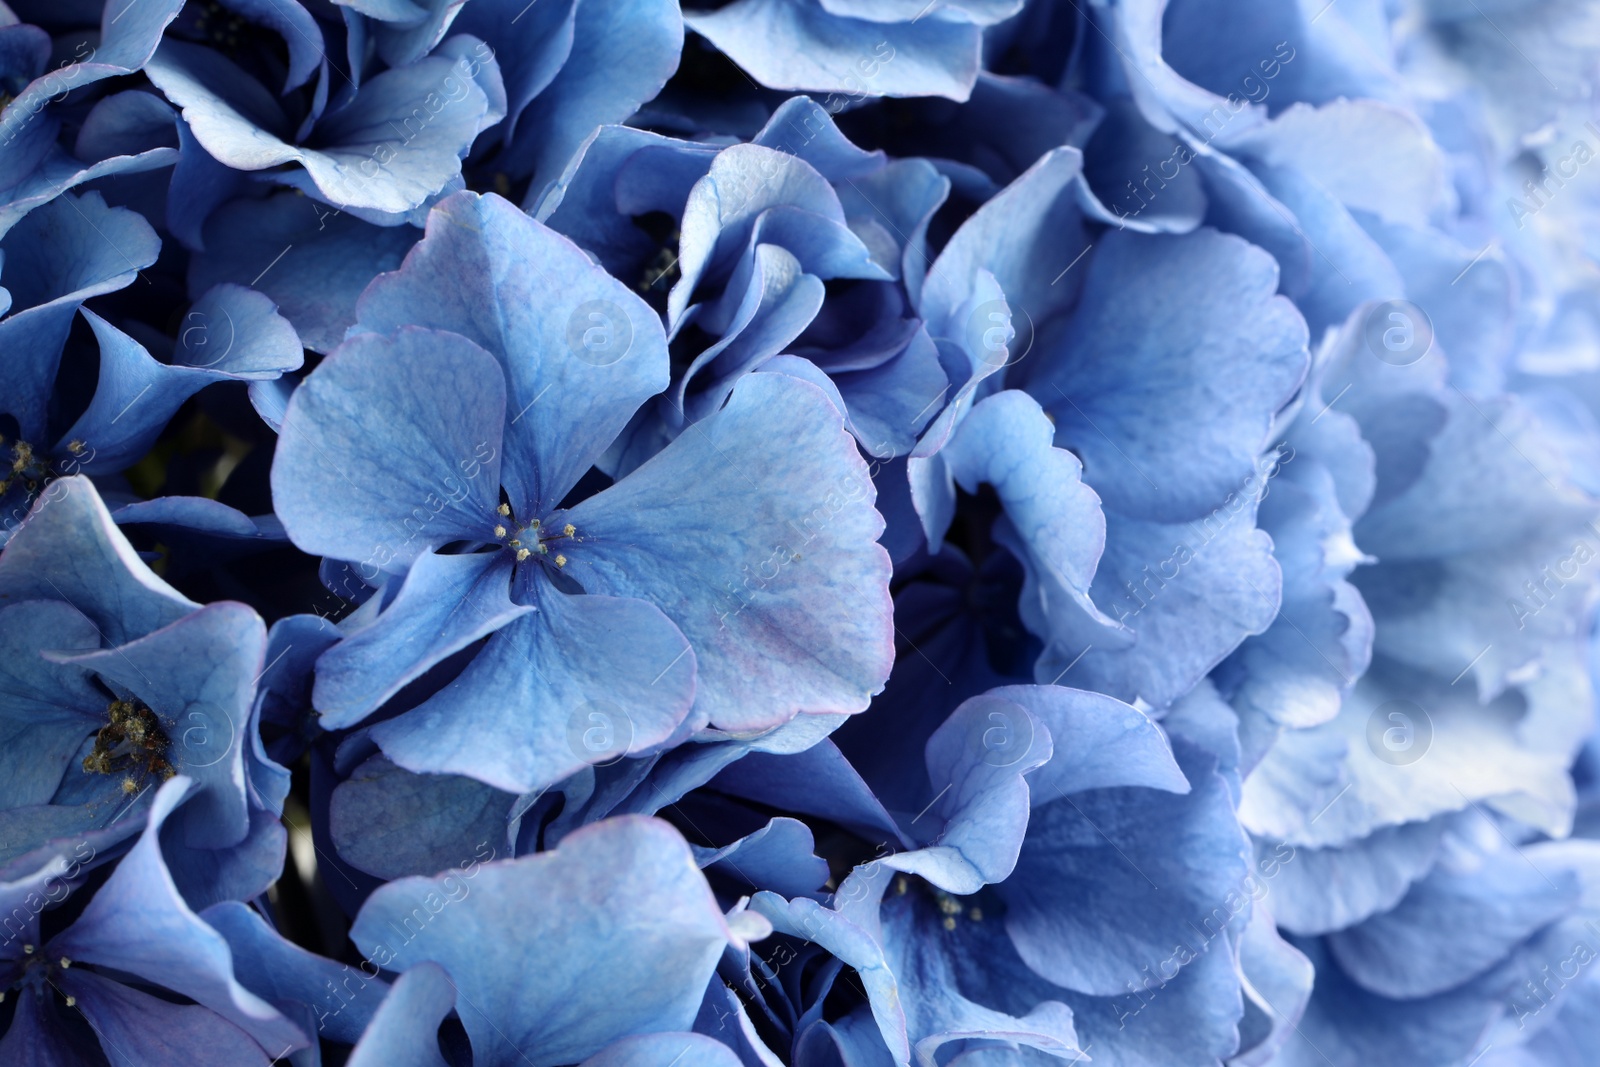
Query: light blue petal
(1200, 336)
(281, 972)
(1099, 743)
(404, 1031)
(554, 956)
(1005, 442)
(137, 394)
(801, 46)
(368, 469)
(135, 1027)
(70, 550)
(137, 923)
(1452, 927)
(605, 79)
(1190, 593)
(46, 709)
(392, 823)
(580, 351)
(531, 46)
(582, 680)
(445, 603)
(312, 260)
(1346, 1025)
(1276, 981)
(1110, 880)
(976, 762)
(72, 250)
(788, 608)
(397, 142)
(816, 781)
(664, 1050)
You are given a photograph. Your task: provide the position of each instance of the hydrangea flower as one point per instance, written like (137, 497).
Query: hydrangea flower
(741, 606)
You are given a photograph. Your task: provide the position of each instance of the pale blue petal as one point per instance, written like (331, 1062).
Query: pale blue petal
(581, 680)
(70, 550)
(137, 923)
(555, 956)
(788, 606)
(312, 260)
(371, 470)
(533, 300)
(392, 823)
(445, 603)
(404, 1031)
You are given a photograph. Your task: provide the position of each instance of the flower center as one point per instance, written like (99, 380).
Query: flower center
(36, 971)
(24, 467)
(532, 539)
(133, 743)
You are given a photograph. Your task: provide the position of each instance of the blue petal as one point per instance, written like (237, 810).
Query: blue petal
(1296, 672)
(1200, 337)
(1099, 743)
(1109, 880)
(1276, 981)
(368, 469)
(692, 533)
(233, 118)
(208, 876)
(976, 762)
(530, 56)
(584, 679)
(1005, 442)
(135, 1027)
(286, 975)
(540, 969)
(540, 306)
(1192, 1017)
(72, 250)
(46, 709)
(769, 301)
(137, 923)
(803, 128)
(802, 46)
(445, 603)
(725, 207)
(1452, 926)
(1026, 237)
(778, 857)
(137, 395)
(37, 1036)
(1191, 593)
(312, 260)
(1345, 1024)
(816, 781)
(607, 76)
(391, 823)
(663, 1050)
(404, 1031)
(1473, 754)
(70, 550)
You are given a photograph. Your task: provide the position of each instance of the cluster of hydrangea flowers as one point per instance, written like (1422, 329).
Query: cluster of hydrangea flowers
(799, 533)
